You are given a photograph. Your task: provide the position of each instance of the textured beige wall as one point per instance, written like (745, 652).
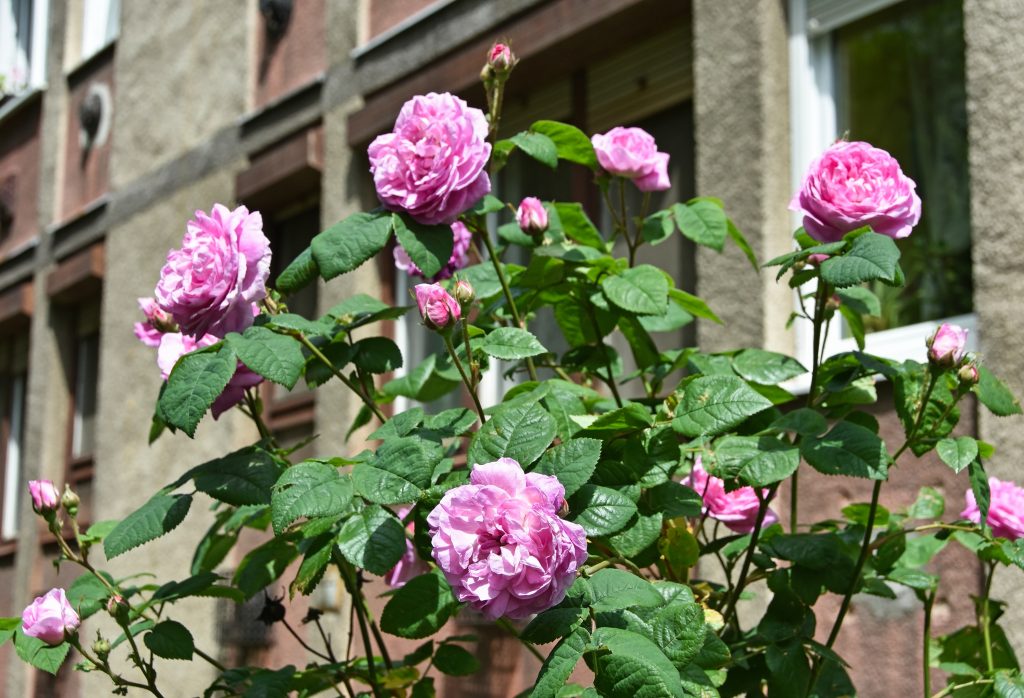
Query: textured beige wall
(179, 79)
(742, 133)
(995, 101)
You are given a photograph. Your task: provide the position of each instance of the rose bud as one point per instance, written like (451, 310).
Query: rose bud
(833, 303)
(437, 307)
(118, 608)
(817, 259)
(532, 217)
(70, 501)
(947, 346)
(969, 374)
(50, 618)
(45, 498)
(102, 648)
(500, 58)
(464, 292)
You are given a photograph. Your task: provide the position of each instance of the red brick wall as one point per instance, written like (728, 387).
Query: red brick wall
(385, 14)
(19, 176)
(293, 59)
(87, 165)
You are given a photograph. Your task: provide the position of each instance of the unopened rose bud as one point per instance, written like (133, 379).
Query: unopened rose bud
(817, 259)
(101, 648)
(500, 58)
(532, 217)
(947, 346)
(118, 608)
(833, 303)
(968, 374)
(45, 498)
(70, 501)
(437, 307)
(464, 292)
(799, 265)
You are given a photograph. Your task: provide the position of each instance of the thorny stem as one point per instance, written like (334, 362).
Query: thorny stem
(367, 399)
(357, 605)
(470, 388)
(505, 625)
(254, 414)
(137, 657)
(762, 510)
(104, 666)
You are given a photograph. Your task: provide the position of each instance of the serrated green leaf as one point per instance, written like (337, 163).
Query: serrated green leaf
(657, 227)
(570, 142)
(577, 226)
(196, 382)
(372, 539)
(803, 421)
(930, 504)
(679, 630)
(766, 367)
(757, 461)
(160, 515)
(519, 432)
(861, 300)
(741, 242)
(538, 146)
(633, 666)
(170, 640)
(848, 449)
(713, 404)
(957, 453)
(871, 256)
(572, 462)
(552, 624)
(346, 245)
(600, 510)
(377, 355)
(511, 343)
(301, 272)
(276, 357)
(488, 204)
(400, 471)
(559, 665)
(87, 594)
(309, 489)
(994, 394)
(34, 651)
(428, 246)
(264, 565)
(420, 608)
(703, 222)
(455, 661)
(615, 589)
(243, 477)
(643, 289)
(693, 305)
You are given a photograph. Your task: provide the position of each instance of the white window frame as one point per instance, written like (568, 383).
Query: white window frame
(12, 468)
(12, 13)
(101, 24)
(814, 127)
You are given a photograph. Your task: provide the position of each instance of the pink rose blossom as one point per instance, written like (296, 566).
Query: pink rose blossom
(45, 497)
(633, 154)
(174, 345)
(432, 164)
(736, 509)
(501, 544)
(1005, 511)
(947, 346)
(500, 57)
(854, 184)
(50, 618)
(410, 565)
(437, 307)
(531, 216)
(157, 322)
(460, 255)
(209, 285)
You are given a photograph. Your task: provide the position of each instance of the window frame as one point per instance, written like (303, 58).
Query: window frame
(38, 12)
(12, 433)
(90, 45)
(813, 127)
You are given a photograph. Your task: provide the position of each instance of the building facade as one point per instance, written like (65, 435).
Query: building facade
(119, 118)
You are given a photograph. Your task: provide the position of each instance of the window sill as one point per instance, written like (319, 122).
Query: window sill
(18, 102)
(8, 548)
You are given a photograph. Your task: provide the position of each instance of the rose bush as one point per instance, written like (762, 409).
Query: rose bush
(588, 504)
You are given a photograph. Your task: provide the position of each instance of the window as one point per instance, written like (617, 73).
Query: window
(13, 372)
(891, 73)
(84, 383)
(100, 24)
(23, 25)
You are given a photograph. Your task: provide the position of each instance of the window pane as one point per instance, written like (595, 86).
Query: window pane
(900, 86)
(83, 437)
(14, 391)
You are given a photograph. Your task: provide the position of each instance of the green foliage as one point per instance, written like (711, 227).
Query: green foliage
(275, 357)
(346, 245)
(170, 640)
(372, 539)
(511, 343)
(713, 404)
(428, 246)
(37, 653)
(196, 381)
(420, 608)
(158, 516)
(521, 432)
(871, 256)
(642, 290)
(310, 489)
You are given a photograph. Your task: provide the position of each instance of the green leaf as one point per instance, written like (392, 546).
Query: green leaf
(674, 500)
(87, 594)
(994, 394)
(615, 589)
(554, 623)
(577, 226)
(362, 309)
(572, 462)
(679, 630)
(455, 661)
(519, 432)
(642, 289)
(634, 666)
(34, 651)
(1008, 686)
(309, 489)
(657, 227)
(600, 510)
(713, 404)
(803, 421)
(274, 356)
(301, 272)
(871, 256)
(757, 461)
(196, 381)
(703, 222)
(346, 245)
(511, 343)
(377, 355)
(930, 504)
(428, 246)
(559, 665)
(452, 422)
(766, 367)
(372, 539)
(957, 453)
(420, 608)
(399, 472)
(861, 300)
(741, 242)
(980, 488)
(488, 204)
(170, 640)
(641, 533)
(570, 142)
(264, 565)
(8, 627)
(160, 515)
(848, 449)
(628, 419)
(537, 146)
(243, 477)
(693, 305)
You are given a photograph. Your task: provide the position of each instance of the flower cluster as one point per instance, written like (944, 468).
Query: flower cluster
(736, 509)
(501, 544)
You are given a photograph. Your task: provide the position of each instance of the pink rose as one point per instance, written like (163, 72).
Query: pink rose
(501, 544)
(736, 509)
(410, 565)
(45, 497)
(432, 164)
(1005, 511)
(531, 216)
(854, 184)
(174, 345)
(210, 284)
(459, 259)
(437, 307)
(947, 346)
(500, 57)
(632, 153)
(157, 322)
(50, 618)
